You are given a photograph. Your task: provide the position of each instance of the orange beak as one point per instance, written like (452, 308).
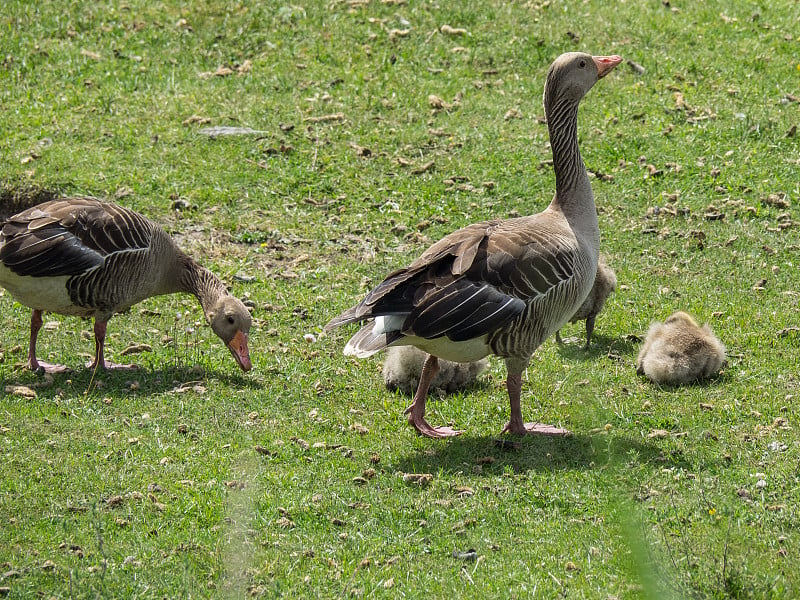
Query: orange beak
(240, 351)
(605, 64)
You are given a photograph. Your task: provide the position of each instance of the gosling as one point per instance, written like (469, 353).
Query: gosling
(679, 351)
(605, 282)
(403, 365)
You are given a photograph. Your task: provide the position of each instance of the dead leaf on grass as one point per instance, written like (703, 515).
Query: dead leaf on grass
(325, 118)
(22, 391)
(454, 31)
(136, 349)
(196, 119)
(420, 479)
(428, 166)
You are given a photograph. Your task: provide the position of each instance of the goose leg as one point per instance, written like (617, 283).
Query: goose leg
(516, 425)
(589, 329)
(33, 364)
(416, 412)
(99, 343)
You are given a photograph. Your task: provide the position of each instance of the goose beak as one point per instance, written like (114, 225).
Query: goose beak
(605, 64)
(240, 351)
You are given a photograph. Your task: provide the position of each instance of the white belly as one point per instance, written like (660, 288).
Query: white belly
(42, 293)
(443, 347)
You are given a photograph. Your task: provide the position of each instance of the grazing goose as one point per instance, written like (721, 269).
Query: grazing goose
(605, 282)
(84, 257)
(403, 366)
(503, 286)
(679, 351)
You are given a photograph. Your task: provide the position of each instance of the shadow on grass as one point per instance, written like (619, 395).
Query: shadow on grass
(142, 381)
(534, 453)
(602, 345)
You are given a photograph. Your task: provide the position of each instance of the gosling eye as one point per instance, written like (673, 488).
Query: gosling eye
(231, 320)
(582, 64)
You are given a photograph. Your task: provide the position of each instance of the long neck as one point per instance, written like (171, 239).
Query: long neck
(571, 178)
(200, 282)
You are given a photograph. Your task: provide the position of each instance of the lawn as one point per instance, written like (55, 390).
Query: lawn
(378, 126)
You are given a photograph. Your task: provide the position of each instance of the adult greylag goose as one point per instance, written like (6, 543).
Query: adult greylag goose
(81, 256)
(605, 282)
(402, 368)
(503, 286)
(679, 351)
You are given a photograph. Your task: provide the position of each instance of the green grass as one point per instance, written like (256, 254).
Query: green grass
(189, 479)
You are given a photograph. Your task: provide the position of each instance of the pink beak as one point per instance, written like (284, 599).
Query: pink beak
(238, 347)
(605, 64)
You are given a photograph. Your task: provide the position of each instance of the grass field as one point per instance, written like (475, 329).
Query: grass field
(189, 479)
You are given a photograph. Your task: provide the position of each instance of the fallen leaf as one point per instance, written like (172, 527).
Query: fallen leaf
(136, 349)
(435, 102)
(90, 54)
(428, 166)
(196, 119)
(421, 479)
(325, 118)
(220, 72)
(20, 390)
(447, 30)
(658, 434)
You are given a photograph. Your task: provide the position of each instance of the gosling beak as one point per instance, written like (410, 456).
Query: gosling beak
(605, 64)
(238, 347)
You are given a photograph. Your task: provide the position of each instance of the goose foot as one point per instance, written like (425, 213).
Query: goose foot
(416, 412)
(424, 428)
(536, 429)
(46, 367)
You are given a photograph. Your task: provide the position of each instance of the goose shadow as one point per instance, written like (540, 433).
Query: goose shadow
(142, 381)
(533, 453)
(602, 345)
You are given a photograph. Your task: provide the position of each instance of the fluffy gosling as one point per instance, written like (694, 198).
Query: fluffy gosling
(679, 351)
(403, 365)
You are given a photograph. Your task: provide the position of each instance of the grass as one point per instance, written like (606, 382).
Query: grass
(189, 479)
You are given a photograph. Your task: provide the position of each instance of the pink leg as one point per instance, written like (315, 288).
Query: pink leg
(416, 412)
(33, 364)
(99, 343)
(516, 425)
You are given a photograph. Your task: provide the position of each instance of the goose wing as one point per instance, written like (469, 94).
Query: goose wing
(472, 281)
(70, 237)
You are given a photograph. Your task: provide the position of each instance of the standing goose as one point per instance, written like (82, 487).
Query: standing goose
(84, 257)
(503, 286)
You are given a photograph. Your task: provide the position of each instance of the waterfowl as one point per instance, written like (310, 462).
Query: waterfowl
(605, 282)
(85, 257)
(679, 351)
(502, 286)
(402, 368)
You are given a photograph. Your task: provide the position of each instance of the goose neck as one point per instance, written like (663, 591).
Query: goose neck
(202, 283)
(562, 124)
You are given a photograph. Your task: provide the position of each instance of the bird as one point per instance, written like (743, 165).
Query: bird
(500, 286)
(679, 351)
(605, 282)
(402, 368)
(86, 257)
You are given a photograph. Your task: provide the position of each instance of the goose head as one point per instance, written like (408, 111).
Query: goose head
(231, 321)
(573, 74)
